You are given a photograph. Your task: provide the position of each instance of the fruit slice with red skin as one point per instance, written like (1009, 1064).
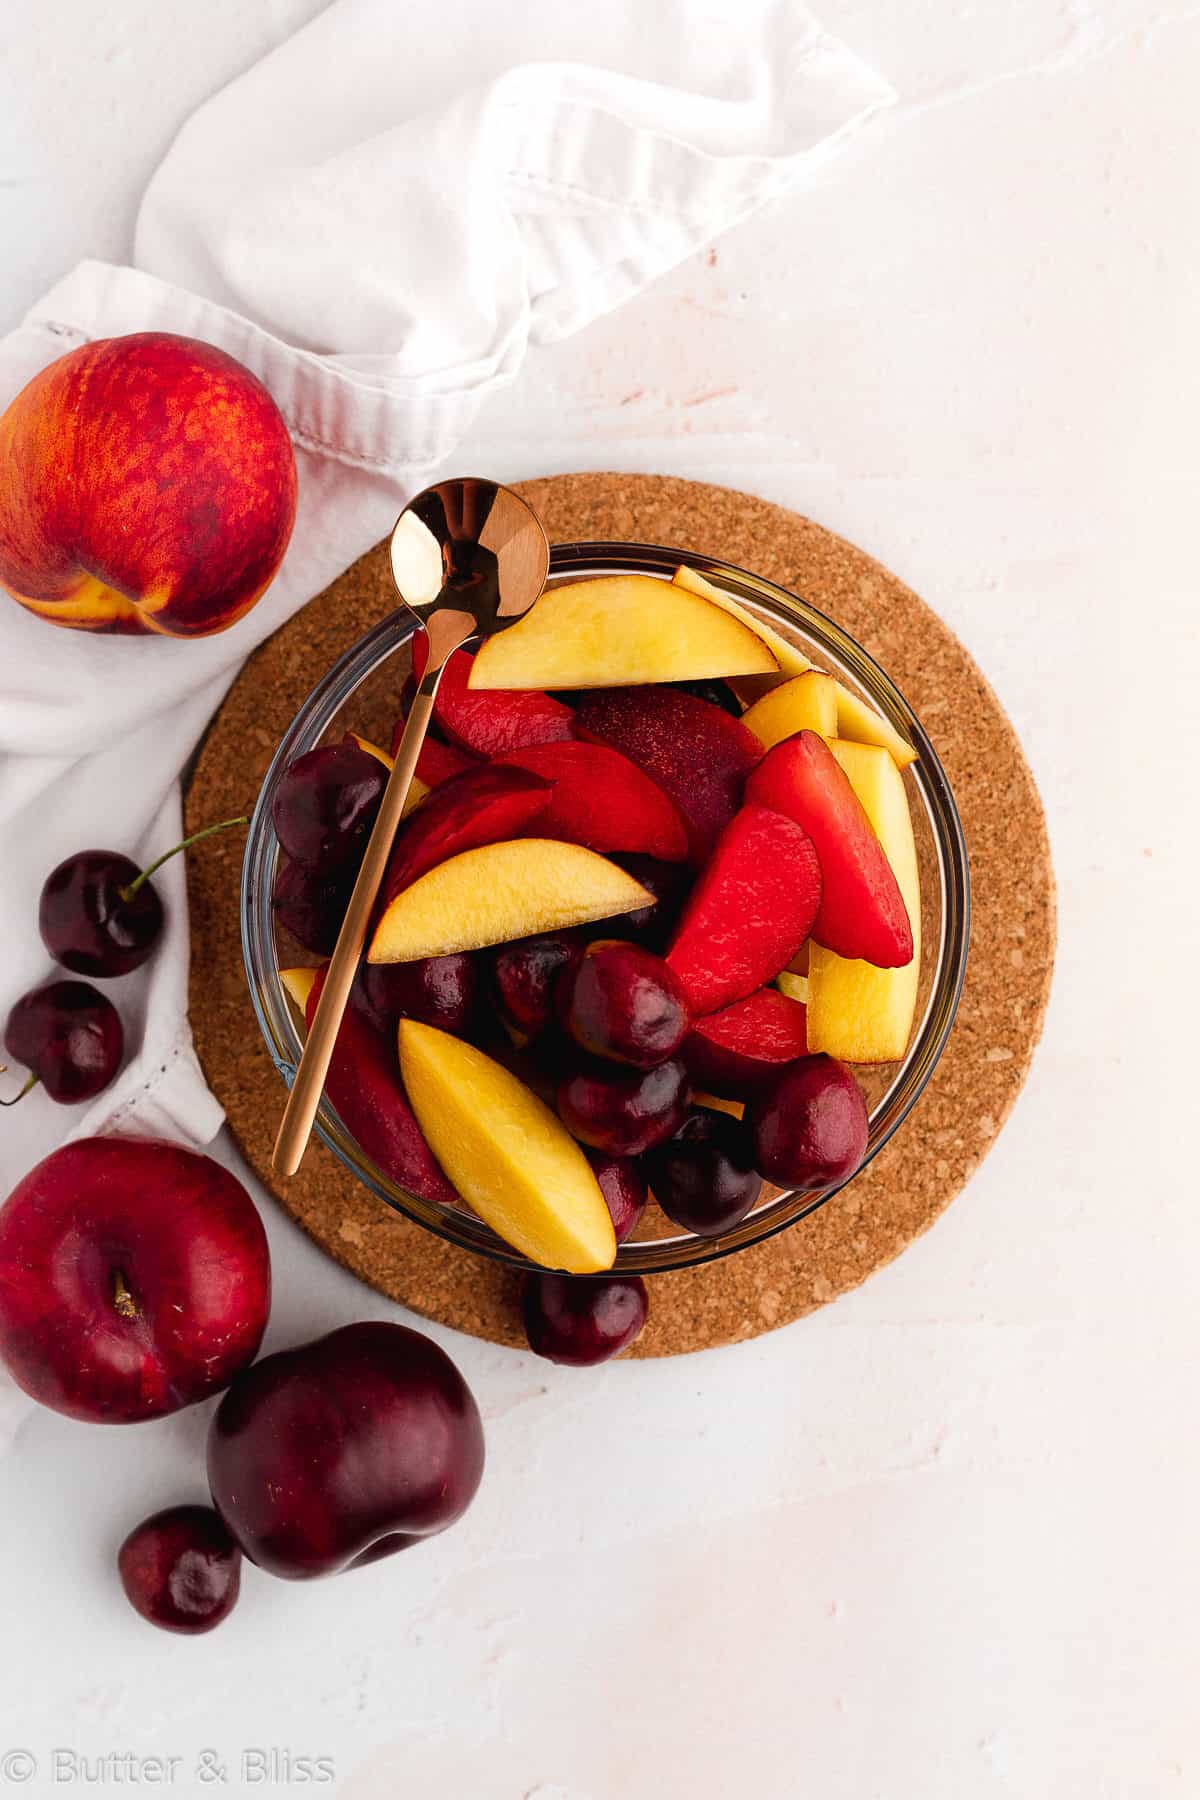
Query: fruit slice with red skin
(346, 1449)
(603, 801)
(697, 754)
(491, 724)
(134, 1279)
(749, 912)
(181, 1570)
(810, 1124)
(437, 761)
(862, 912)
(736, 1050)
(366, 1092)
(481, 806)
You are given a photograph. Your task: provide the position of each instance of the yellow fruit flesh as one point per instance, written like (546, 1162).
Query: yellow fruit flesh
(508, 1155)
(809, 703)
(715, 1103)
(620, 631)
(794, 986)
(417, 788)
(791, 661)
(499, 892)
(856, 1011)
(860, 724)
(297, 985)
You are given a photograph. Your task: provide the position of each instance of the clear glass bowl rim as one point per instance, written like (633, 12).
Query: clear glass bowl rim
(576, 560)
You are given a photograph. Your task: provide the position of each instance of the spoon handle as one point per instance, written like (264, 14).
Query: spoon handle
(305, 1097)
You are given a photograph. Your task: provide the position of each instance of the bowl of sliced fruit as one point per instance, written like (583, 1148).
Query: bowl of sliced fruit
(673, 932)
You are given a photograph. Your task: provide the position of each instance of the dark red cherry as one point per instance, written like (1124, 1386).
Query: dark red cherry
(623, 1186)
(669, 883)
(100, 915)
(526, 973)
(623, 1112)
(810, 1124)
(311, 907)
(438, 990)
(181, 1569)
(582, 1319)
(624, 1004)
(704, 1177)
(69, 1037)
(717, 693)
(326, 804)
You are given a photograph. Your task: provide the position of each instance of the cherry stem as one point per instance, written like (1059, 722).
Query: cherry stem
(126, 893)
(31, 1082)
(122, 1298)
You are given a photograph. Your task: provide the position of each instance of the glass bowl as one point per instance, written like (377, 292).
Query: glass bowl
(361, 692)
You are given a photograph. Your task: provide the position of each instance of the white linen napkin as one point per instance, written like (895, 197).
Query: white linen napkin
(379, 220)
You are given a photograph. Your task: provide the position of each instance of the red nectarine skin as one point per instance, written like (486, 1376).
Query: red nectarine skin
(624, 1188)
(862, 911)
(437, 761)
(749, 912)
(134, 1279)
(696, 753)
(485, 805)
(603, 801)
(366, 1092)
(736, 1050)
(148, 484)
(491, 723)
(344, 1450)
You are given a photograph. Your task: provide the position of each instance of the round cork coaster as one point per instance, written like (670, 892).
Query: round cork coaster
(999, 1020)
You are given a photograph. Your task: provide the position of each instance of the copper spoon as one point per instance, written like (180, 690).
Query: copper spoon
(468, 559)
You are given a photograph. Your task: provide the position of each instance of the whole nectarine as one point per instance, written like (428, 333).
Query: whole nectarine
(147, 483)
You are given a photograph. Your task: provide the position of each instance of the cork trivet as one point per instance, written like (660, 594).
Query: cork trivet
(999, 1021)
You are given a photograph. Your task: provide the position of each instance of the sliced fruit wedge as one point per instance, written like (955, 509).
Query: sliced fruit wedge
(807, 703)
(437, 761)
(489, 724)
(696, 752)
(859, 723)
(750, 910)
(718, 1103)
(365, 1090)
(856, 1011)
(862, 912)
(791, 660)
(499, 892)
(480, 806)
(620, 631)
(511, 1158)
(793, 985)
(417, 788)
(603, 801)
(735, 1051)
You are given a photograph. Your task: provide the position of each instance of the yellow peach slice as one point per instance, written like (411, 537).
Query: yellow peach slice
(509, 1156)
(856, 1011)
(794, 986)
(619, 631)
(715, 1103)
(298, 985)
(498, 892)
(417, 788)
(860, 724)
(807, 703)
(791, 660)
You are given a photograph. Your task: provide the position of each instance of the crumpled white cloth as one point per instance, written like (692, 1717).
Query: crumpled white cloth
(379, 219)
